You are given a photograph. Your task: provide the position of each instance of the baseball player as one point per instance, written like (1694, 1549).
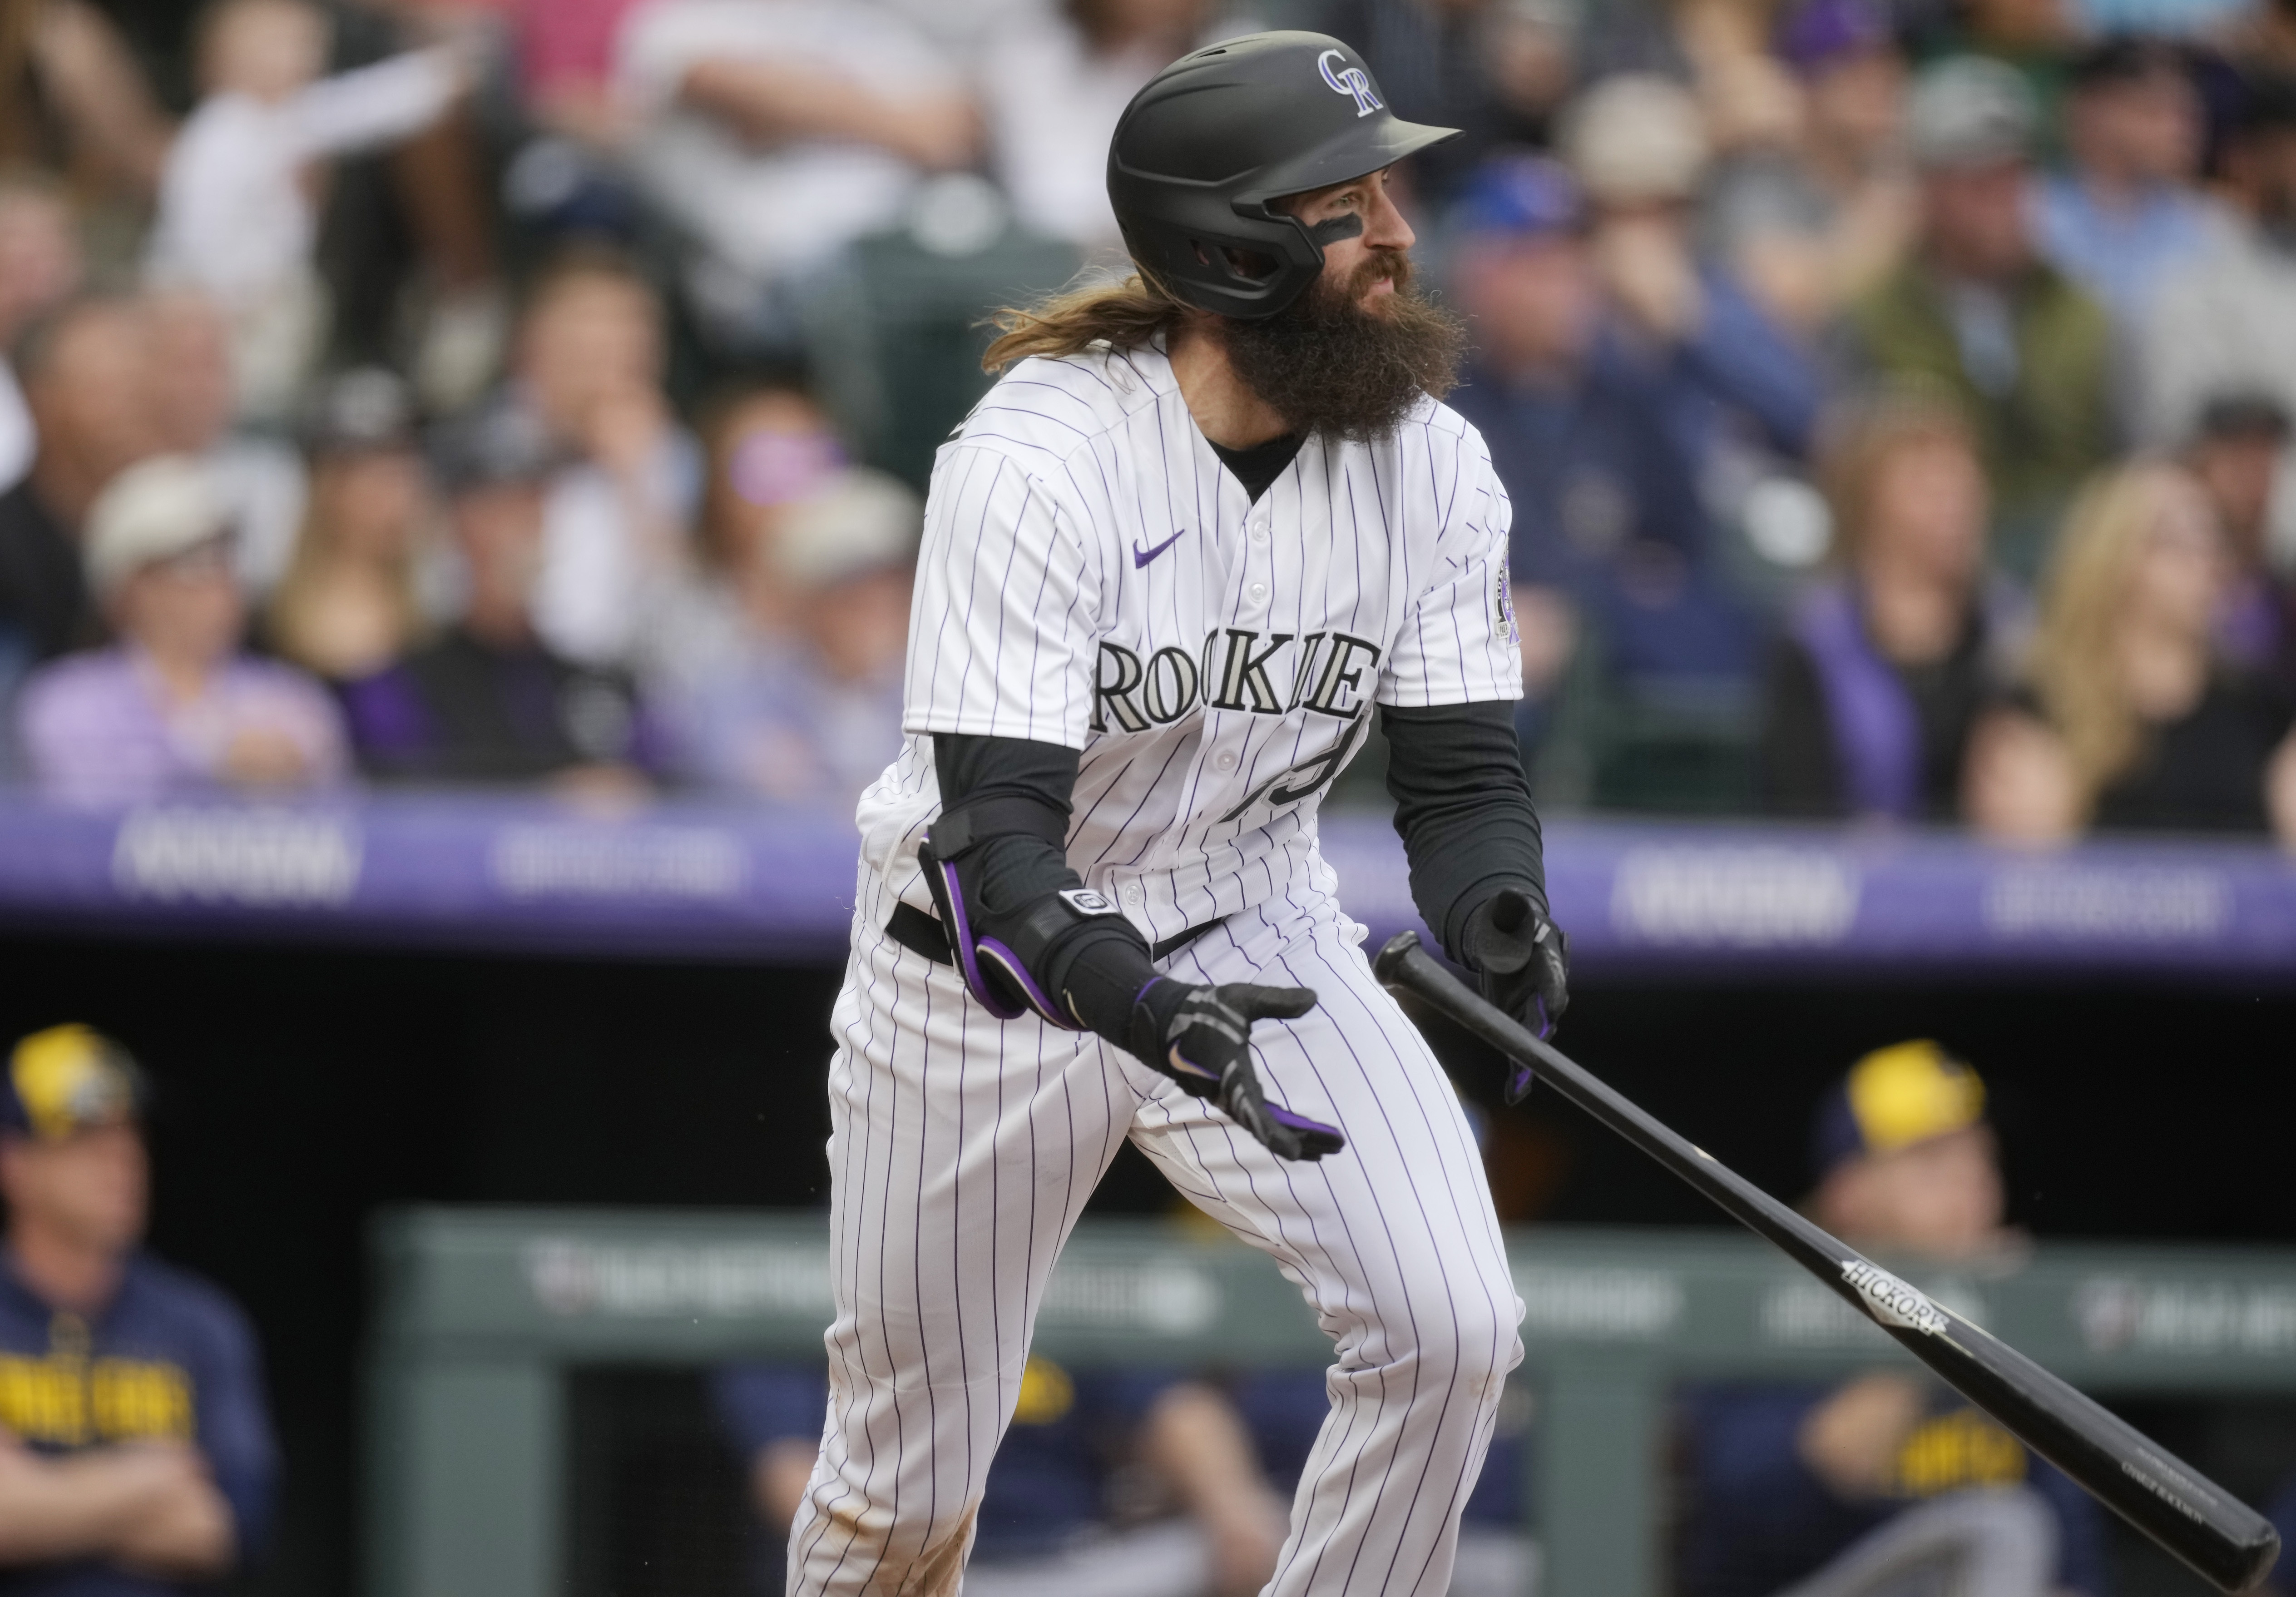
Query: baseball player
(1210, 521)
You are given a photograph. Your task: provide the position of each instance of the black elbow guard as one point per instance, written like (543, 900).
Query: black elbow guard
(1003, 953)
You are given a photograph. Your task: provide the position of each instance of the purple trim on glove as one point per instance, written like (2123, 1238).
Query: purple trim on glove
(1520, 1080)
(1301, 1122)
(1009, 964)
(961, 948)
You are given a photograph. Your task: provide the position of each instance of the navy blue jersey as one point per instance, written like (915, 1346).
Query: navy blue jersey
(1050, 1479)
(2282, 1511)
(1283, 1408)
(1760, 1520)
(171, 1358)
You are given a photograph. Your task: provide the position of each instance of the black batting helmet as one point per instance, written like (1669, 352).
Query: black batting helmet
(1216, 136)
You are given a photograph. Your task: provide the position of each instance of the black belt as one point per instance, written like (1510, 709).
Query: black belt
(922, 934)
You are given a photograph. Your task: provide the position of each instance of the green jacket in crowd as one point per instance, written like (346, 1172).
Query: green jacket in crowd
(2053, 426)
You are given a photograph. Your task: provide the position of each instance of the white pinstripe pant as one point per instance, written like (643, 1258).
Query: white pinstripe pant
(963, 1148)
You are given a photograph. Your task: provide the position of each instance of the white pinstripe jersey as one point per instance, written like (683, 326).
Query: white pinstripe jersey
(1093, 576)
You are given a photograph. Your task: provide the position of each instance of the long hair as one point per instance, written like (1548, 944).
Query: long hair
(1123, 316)
(290, 614)
(1860, 444)
(2074, 667)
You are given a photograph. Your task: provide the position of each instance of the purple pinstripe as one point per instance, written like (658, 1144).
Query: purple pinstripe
(964, 1146)
(1394, 1241)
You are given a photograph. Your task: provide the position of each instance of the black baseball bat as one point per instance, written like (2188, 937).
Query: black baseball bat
(2227, 1543)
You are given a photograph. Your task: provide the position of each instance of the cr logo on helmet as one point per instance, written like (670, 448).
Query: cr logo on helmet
(1350, 80)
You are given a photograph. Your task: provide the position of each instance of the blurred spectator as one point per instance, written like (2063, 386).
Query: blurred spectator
(83, 370)
(2281, 1510)
(1979, 316)
(966, 29)
(348, 603)
(769, 446)
(1890, 1482)
(1285, 1409)
(2134, 722)
(589, 367)
(1878, 680)
(173, 707)
(2227, 324)
(237, 215)
(192, 394)
(1748, 96)
(1815, 220)
(1052, 90)
(566, 65)
(2124, 214)
(1609, 365)
(2263, 38)
(775, 133)
(73, 99)
(1499, 71)
(40, 266)
(568, 180)
(2239, 457)
(812, 711)
(1044, 1525)
(409, 241)
(135, 1453)
(2035, 39)
(488, 700)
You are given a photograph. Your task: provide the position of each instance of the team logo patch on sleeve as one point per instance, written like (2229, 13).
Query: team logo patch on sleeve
(1503, 607)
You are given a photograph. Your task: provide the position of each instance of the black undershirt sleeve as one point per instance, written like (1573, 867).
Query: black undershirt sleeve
(1100, 966)
(1462, 806)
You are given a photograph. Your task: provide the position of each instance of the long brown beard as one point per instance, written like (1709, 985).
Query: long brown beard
(1328, 366)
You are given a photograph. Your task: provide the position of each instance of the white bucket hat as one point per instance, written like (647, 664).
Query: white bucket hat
(859, 520)
(155, 510)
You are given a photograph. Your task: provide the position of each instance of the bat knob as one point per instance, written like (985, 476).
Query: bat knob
(1388, 965)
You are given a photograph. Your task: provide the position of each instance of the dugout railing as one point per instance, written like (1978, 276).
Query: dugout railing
(483, 1314)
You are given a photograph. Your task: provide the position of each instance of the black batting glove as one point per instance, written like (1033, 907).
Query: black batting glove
(1201, 1037)
(1522, 961)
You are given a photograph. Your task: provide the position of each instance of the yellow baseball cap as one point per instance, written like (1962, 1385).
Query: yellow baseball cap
(1894, 1098)
(68, 1079)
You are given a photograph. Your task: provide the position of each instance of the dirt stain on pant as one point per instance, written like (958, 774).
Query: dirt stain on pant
(936, 1571)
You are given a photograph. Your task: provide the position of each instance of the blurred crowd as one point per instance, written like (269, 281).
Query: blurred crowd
(1895, 396)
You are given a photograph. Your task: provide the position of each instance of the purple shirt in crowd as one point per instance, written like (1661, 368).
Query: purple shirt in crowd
(777, 724)
(98, 728)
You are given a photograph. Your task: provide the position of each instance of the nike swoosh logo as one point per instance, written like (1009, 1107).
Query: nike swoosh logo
(1141, 556)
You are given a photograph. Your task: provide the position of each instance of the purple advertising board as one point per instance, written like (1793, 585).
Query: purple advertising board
(691, 879)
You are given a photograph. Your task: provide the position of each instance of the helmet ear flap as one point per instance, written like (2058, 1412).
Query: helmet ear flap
(1245, 265)
(1249, 267)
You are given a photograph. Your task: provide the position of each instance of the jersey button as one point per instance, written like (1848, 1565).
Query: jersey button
(1225, 760)
(1132, 894)
(1258, 591)
(1259, 531)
